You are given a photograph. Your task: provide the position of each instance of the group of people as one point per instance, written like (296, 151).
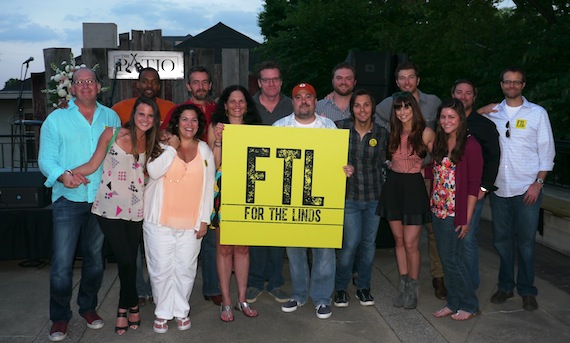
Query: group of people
(154, 171)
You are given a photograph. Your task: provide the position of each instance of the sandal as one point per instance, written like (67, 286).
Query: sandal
(226, 313)
(443, 312)
(160, 325)
(464, 315)
(120, 330)
(246, 309)
(134, 325)
(183, 323)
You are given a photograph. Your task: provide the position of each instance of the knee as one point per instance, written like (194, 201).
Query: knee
(225, 250)
(241, 250)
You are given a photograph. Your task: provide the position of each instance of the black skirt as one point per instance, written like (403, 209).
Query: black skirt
(404, 197)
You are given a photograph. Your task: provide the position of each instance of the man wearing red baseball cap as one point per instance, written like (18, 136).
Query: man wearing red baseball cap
(322, 274)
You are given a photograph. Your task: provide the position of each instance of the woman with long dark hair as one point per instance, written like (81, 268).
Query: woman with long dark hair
(456, 172)
(119, 200)
(236, 107)
(404, 200)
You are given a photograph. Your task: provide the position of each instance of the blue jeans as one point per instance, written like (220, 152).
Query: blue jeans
(514, 227)
(319, 282)
(460, 292)
(73, 222)
(471, 246)
(210, 284)
(266, 264)
(144, 290)
(359, 234)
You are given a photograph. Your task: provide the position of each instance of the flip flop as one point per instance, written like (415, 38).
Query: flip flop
(464, 315)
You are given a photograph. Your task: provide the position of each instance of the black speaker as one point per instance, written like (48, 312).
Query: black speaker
(373, 68)
(23, 190)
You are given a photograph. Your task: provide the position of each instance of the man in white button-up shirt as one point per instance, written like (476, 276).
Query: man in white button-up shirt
(527, 155)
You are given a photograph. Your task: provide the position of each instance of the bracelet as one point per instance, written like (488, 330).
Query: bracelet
(68, 171)
(218, 143)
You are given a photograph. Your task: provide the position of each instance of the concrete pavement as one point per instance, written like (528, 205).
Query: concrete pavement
(24, 314)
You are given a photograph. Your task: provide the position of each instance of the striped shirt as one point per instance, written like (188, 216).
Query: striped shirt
(528, 150)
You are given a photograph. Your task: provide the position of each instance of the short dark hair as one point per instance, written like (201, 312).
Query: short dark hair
(151, 69)
(513, 70)
(199, 69)
(405, 66)
(467, 81)
(267, 65)
(173, 123)
(360, 92)
(343, 65)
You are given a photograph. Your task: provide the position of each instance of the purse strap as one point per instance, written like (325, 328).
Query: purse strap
(112, 140)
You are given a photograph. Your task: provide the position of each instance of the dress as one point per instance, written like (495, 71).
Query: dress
(404, 196)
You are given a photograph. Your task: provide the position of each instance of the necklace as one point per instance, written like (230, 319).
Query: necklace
(177, 179)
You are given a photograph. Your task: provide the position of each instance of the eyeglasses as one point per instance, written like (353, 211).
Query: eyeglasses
(511, 82)
(508, 126)
(87, 82)
(272, 80)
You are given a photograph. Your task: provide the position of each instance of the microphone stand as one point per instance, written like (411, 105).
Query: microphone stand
(20, 115)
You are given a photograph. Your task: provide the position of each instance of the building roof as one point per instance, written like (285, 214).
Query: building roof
(219, 36)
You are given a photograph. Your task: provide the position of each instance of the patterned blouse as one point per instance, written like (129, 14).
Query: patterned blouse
(442, 200)
(120, 194)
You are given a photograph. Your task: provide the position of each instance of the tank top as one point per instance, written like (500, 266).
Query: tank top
(403, 160)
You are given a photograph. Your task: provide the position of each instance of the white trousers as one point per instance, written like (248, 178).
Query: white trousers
(172, 260)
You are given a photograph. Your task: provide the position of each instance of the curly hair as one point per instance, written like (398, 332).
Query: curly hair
(251, 115)
(175, 119)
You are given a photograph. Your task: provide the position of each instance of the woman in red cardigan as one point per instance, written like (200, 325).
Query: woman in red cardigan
(456, 172)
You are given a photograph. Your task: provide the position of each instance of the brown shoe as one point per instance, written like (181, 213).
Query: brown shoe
(439, 286)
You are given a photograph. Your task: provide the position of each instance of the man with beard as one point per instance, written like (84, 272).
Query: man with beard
(486, 134)
(318, 284)
(408, 79)
(199, 86)
(527, 155)
(148, 86)
(336, 105)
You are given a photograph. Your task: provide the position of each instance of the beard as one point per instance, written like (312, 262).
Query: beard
(343, 93)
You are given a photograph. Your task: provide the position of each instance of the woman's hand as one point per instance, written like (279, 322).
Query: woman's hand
(348, 170)
(218, 129)
(464, 229)
(173, 141)
(202, 231)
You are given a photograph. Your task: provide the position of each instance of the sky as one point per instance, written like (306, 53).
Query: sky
(29, 26)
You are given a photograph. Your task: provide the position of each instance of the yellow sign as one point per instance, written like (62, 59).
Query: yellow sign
(283, 186)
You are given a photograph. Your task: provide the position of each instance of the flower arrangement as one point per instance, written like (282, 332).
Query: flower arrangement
(59, 85)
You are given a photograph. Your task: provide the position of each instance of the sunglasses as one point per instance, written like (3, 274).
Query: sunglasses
(508, 126)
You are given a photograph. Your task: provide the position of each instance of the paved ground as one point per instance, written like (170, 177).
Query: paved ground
(24, 297)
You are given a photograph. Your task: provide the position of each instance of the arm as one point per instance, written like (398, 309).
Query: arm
(545, 153)
(158, 166)
(208, 197)
(428, 137)
(489, 140)
(98, 157)
(215, 142)
(488, 109)
(464, 229)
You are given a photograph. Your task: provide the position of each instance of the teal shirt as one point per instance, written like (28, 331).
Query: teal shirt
(67, 141)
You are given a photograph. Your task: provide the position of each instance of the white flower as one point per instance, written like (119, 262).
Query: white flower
(66, 83)
(57, 77)
(62, 93)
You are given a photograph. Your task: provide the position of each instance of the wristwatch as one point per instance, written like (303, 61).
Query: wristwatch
(483, 189)
(540, 181)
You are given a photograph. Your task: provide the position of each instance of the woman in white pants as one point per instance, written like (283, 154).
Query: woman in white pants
(178, 204)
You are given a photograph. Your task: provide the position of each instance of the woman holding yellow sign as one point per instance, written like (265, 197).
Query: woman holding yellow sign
(235, 106)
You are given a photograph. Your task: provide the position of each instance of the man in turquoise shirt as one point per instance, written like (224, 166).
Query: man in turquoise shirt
(68, 139)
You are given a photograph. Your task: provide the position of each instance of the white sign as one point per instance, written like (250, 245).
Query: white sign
(170, 64)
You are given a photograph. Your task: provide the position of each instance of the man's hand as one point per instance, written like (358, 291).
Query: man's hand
(488, 109)
(348, 170)
(532, 193)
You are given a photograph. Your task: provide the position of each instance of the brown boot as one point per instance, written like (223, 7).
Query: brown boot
(439, 286)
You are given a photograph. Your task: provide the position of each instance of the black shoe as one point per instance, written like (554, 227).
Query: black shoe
(439, 286)
(500, 297)
(341, 299)
(529, 303)
(366, 299)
